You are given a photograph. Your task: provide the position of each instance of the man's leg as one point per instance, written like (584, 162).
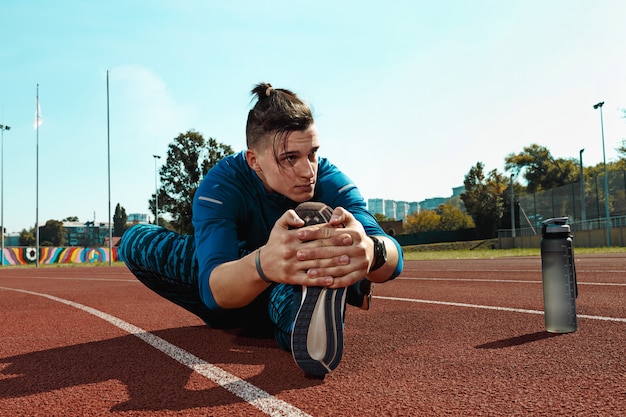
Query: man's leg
(165, 262)
(283, 306)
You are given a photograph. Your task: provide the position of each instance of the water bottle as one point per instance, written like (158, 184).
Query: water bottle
(558, 276)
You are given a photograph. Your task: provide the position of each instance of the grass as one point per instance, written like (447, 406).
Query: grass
(477, 249)
(483, 249)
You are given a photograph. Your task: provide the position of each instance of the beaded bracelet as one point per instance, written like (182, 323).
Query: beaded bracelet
(259, 270)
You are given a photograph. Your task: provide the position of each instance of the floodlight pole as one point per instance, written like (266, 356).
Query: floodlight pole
(109, 175)
(512, 208)
(606, 181)
(156, 191)
(2, 129)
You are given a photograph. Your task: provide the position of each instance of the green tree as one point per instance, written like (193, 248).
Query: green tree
(541, 170)
(120, 218)
(444, 218)
(70, 219)
(27, 237)
(52, 234)
(451, 218)
(594, 188)
(456, 202)
(380, 217)
(189, 158)
(424, 221)
(483, 199)
(621, 151)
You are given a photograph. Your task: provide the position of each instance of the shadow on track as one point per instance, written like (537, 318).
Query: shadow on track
(153, 380)
(518, 340)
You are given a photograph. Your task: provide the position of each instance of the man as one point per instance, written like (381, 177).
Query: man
(257, 259)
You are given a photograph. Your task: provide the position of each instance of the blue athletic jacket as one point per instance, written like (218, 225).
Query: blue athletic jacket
(233, 214)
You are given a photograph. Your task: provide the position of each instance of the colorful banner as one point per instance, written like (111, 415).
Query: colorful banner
(56, 255)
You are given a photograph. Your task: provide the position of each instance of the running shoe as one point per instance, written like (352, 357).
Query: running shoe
(317, 336)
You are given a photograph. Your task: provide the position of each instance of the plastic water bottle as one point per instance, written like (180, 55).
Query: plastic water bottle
(558, 276)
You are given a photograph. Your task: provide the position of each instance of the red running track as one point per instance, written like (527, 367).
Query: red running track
(460, 337)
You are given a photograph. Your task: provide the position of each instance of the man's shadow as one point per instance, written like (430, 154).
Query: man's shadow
(153, 380)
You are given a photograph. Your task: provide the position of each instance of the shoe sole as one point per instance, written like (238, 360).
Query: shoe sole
(317, 335)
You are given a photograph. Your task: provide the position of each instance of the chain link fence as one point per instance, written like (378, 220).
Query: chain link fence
(584, 206)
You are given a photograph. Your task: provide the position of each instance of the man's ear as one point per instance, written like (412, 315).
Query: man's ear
(252, 160)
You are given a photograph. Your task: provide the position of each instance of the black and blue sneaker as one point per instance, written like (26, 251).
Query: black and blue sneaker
(317, 336)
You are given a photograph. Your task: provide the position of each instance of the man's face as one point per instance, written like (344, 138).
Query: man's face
(295, 173)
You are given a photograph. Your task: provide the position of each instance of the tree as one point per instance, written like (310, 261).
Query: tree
(444, 218)
(621, 151)
(52, 234)
(451, 218)
(27, 237)
(189, 158)
(424, 221)
(541, 170)
(70, 219)
(483, 199)
(119, 220)
(380, 217)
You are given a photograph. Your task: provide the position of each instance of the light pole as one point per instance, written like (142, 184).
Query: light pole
(583, 211)
(606, 181)
(156, 191)
(2, 129)
(512, 209)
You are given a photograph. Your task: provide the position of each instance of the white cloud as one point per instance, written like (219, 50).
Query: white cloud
(143, 105)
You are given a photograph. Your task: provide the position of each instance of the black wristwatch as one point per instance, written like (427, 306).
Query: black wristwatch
(380, 253)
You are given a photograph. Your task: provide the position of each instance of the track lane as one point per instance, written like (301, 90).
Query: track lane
(401, 358)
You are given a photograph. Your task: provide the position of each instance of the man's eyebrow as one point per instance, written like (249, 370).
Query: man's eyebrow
(289, 153)
(297, 152)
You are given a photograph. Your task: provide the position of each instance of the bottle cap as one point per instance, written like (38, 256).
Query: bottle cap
(555, 225)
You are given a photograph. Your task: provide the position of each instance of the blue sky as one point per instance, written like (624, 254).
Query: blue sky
(408, 95)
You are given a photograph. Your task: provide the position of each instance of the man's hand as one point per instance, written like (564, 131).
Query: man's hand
(339, 251)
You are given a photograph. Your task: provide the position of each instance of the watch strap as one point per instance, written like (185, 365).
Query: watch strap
(380, 253)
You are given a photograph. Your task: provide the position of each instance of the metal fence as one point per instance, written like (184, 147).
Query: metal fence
(585, 207)
(575, 226)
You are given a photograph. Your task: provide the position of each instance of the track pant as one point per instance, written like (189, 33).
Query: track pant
(165, 262)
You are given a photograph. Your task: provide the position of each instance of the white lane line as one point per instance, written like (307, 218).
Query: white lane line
(533, 270)
(243, 389)
(514, 310)
(76, 279)
(518, 281)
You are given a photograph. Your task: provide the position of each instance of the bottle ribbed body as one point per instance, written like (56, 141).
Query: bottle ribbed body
(559, 283)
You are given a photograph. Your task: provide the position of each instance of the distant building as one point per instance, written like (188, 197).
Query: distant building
(456, 191)
(12, 239)
(402, 209)
(399, 210)
(135, 218)
(85, 233)
(390, 209)
(432, 203)
(376, 205)
(414, 207)
(392, 227)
